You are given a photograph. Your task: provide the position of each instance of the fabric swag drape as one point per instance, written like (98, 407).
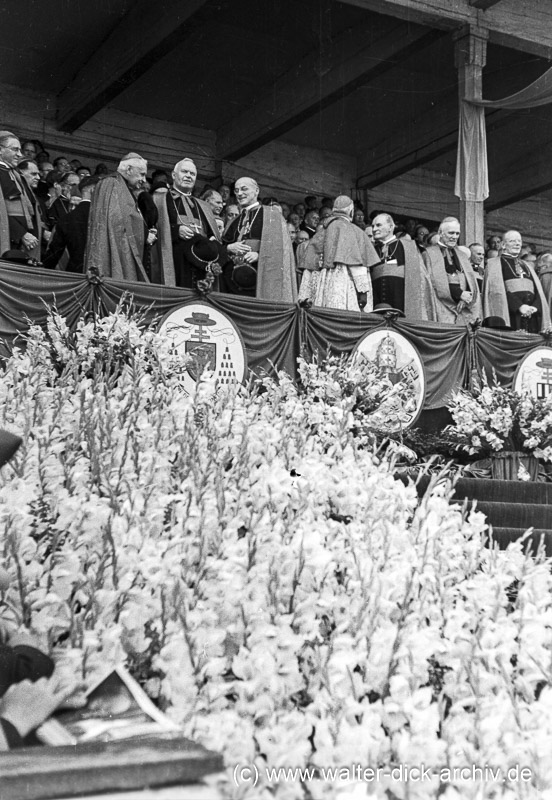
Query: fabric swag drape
(472, 180)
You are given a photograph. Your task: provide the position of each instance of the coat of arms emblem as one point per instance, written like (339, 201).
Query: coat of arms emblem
(209, 339)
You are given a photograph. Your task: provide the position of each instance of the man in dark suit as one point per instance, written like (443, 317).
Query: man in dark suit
(19, 219)
(31, 174)
(68, 186)
(71, 231)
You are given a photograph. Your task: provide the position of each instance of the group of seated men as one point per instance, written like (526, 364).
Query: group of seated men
(239, 245)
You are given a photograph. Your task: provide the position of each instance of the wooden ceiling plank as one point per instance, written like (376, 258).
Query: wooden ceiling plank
(141, 38)
(312, 85)
(514, 172)
(533, 178)
(416, 143)
(483, 5)
(520, 24)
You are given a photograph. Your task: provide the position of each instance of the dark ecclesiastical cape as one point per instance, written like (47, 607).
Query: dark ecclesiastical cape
(447, 309)
(413, 294)
(5, 240)
(116, 232)
(164, 269)
(276, 279)
(545, 277)
(276, 270)
(495, 300)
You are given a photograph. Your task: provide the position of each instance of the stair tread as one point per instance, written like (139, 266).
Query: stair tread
(516, 515)
(531, 492)
(520, 531)
(505, 536)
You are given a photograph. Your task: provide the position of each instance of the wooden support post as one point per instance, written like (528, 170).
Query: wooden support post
(470, 58)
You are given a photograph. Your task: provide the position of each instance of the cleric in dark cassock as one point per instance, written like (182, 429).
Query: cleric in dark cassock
(257, 254)
(400, 280)
(457, 297)
(183, 221)
(512, 293)
(116, 229)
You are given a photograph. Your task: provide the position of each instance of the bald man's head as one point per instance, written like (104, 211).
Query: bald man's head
(246, 191)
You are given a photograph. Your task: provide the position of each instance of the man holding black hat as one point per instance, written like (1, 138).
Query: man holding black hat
(257, 253)
(184, 222)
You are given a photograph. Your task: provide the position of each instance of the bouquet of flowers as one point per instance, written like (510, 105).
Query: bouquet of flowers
(266, 578)
(106, 345)
(535, 424)
(491, 418)
(358, 384)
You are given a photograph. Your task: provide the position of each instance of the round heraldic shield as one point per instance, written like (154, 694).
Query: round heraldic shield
(209, 340)
(395, 363)
(534, 373)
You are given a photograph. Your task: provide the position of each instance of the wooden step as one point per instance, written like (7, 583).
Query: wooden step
(517, 515)
(531, 492)
(505, 536)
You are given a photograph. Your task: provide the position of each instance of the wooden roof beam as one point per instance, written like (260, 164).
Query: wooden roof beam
(521, 177)
(520, 24)
(483, 4)
(312, 86)
(417, 142)
(536, 178)
(147, 33)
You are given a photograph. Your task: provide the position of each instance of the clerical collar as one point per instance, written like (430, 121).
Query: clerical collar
(391, 239)
(253, 205)
(184, 194)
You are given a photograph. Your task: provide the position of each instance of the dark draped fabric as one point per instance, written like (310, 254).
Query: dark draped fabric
(26, 292)
(274, 334)
(270, 331)
(444, 349)
(326, 329)
(445, 353)
(502, 351)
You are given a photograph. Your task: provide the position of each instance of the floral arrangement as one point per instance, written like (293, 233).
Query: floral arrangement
(108, 345)
(270, 582)
(491, 418)
(358, 386)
